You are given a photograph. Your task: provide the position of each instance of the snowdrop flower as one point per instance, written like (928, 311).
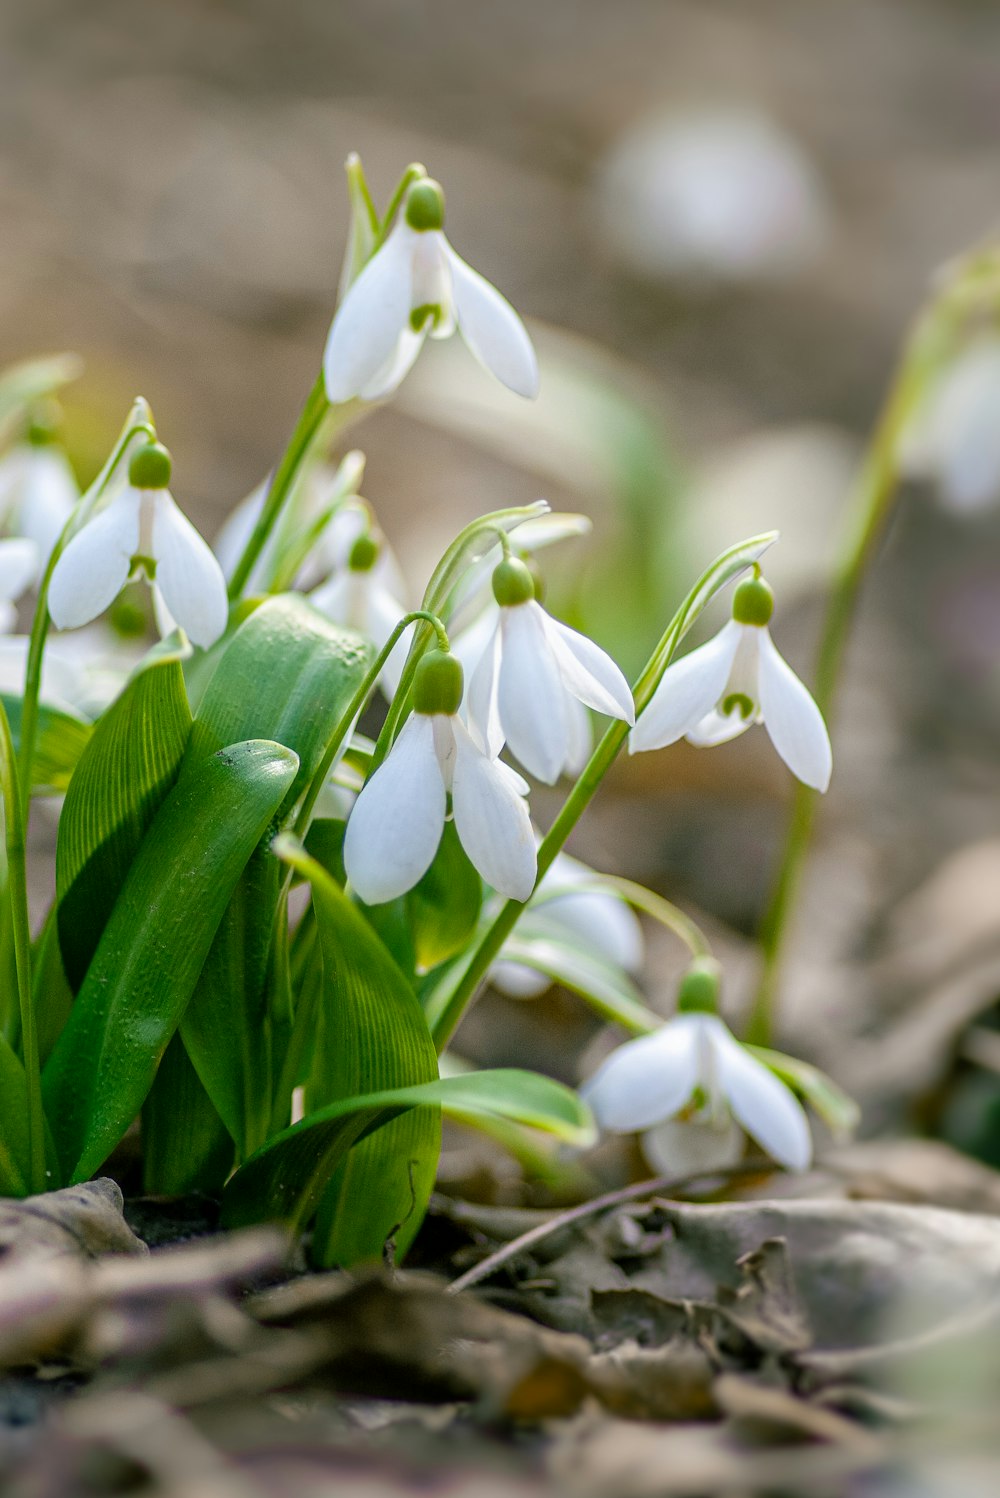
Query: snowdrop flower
(416, 285)
(571, 904)
(39, 489)
(18, 569)
(695, 1066)
(532, 677)
(955, 436)
(141, 530)
(396, 825)
(359, 596)
(717, 691)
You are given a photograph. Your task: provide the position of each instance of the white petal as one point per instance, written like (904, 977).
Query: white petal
(491, 819)
(517, 981)
(530, 694)
(792, 719)
(187, 573)
(688, 690)
(718, 728)
(492, 329)
(8, 617)
(365, 331)
(19, 560)
(395, 369)
(95, 565)
(766, 1108)
(581, 735)
(688, 1147)
(588, 671)
(648, 1080)
(384, 613)
(482, 707)
(231, 541)
(603, 921)
(397, 821)
(48, 495)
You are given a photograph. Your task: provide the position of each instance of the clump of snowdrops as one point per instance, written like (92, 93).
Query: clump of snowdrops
(267, 927)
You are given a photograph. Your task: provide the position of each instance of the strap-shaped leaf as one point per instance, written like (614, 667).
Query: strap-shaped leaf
(372, 1036)
(124, 773)
(600, 983)
(284, 1180)
(154, 945)
(288, 674)
(60, 739)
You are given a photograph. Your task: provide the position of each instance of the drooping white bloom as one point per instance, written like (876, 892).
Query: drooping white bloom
(533, 676)
(954, 437)
(360, 595)
(396, 825)
(571, 904)
(416, 285)
(735, 680)
(694, 1065)
(141, 530)
(38, 489)
(18, 569)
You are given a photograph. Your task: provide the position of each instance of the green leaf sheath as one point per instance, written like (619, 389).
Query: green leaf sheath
(125, 771)
(283, 1181)
(154, 946)
(287, 675)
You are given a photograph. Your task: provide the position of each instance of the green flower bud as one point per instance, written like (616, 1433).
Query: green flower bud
(364, 553)
(512, 583)
(149, 467)
(437, 684)
(425, 205)
(753, 602)
(699, 987)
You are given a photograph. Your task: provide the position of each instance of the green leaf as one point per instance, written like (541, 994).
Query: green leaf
(284, 1180)
(124, 773)
(288, 674)
(373, 1036)
(444, 906)
(604, 987)
(60, 740)
(185, 1145)
(154, 945)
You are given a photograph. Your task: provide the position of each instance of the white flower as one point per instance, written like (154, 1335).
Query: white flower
(694, 1062)
(142, 529)
(413, 285)
(532, 678)
(361, 594)
(38, 486)
(396, 825)
(18, 568)
(737, 679)
(570, 903)
(955, 435)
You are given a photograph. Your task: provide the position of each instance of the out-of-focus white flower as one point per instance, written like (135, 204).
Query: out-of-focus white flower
(694, 1069)
(38, 489)
(722, 195)
(396, 825)
(359, 595)
(530, 672)
(416, 285)
(18, 570)
(142, 530)
(954, 437)
(737, 679)
(570, 903)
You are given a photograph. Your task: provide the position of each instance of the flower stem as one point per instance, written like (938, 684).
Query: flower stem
(871, 504)
(17, 894)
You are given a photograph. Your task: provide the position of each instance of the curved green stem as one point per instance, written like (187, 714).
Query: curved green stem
(17, 894)
(661, 910)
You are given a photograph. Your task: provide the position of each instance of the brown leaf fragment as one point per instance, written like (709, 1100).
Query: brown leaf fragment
(80, 1221)
(768, 1413)
(765, 1306)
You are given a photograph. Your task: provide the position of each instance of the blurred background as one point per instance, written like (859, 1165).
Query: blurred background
(719, 217)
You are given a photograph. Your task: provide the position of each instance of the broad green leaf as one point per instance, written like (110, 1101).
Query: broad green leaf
(60, 740)
(154, 945)
(51, 993)
(185, 1145)
(604, 987)
(284, 1180)
(444, 906)
(287, 674)
(373, 1036)
(124, 773)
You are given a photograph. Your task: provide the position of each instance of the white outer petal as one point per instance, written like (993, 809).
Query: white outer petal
(686, 1147)
(517, 981)
(48, 493)
(19, 559)
(95, 565)
(367, 325)
(482, 710)
(792, 719)
(588, 671)
(647, 1080)
(580, 735)
(603, 922)
(766, 1108)
(187, 573)
(395, 369)
(688, 690)
(231, 540)
(530, 693)
(396, 825)
(492, 329)
(491, 818)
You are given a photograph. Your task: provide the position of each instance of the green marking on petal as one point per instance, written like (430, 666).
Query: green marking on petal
(738, 702)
